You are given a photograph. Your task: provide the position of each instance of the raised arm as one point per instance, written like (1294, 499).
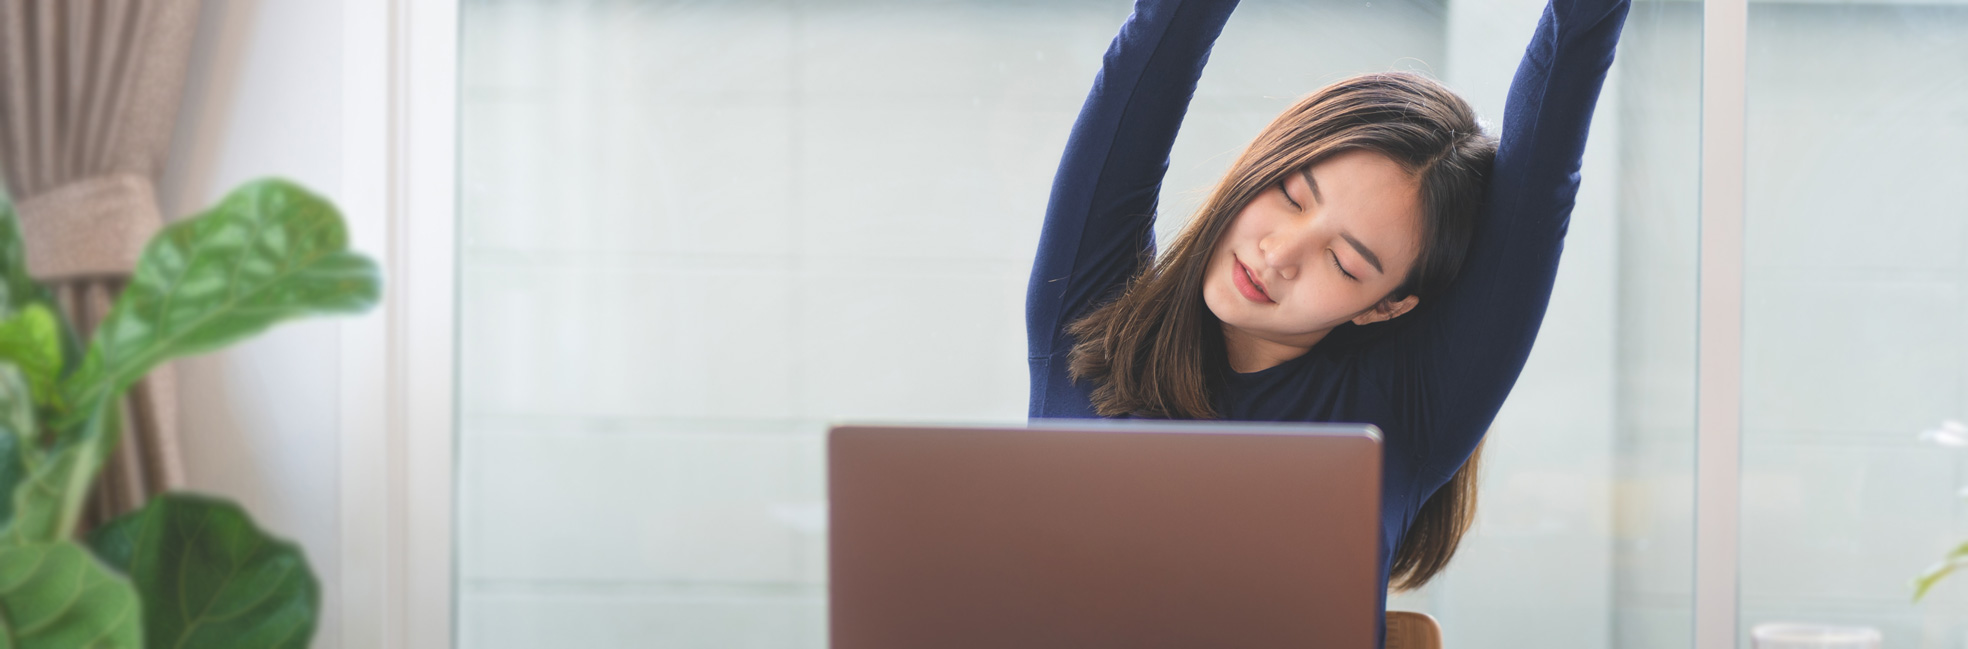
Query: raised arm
(1099, 222)
(1475, 339)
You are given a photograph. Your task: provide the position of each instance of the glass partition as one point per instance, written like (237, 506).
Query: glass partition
(1854, 336)
(680, 220)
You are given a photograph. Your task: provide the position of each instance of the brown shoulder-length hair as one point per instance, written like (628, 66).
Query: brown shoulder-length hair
(1157, 351)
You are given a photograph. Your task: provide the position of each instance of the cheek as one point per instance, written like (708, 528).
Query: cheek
(1216, 284)
(1313, 304)
(1220, 255)
(1245, 225)
(1326, 300)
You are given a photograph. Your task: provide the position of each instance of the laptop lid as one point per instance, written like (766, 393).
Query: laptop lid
(1104, 534)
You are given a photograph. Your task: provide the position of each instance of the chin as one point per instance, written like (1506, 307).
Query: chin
(1231, 309)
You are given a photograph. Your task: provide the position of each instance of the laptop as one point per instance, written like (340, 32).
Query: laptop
(1103, 534)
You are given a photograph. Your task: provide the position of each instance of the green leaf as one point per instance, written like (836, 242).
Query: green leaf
(17, 288)
(58, 596)
(32, 341)
(18, 440)
(1931, 576)
(48, 501)
(209, 578)
(11, 474)
(270, 251)
(1954, 560)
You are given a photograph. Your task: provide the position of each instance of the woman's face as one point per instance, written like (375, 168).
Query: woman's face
(1322, 248)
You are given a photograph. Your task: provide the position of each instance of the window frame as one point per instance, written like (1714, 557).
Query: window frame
(397, 363)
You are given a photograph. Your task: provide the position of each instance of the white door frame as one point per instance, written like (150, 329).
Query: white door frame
(399, 167)
(1718, 410)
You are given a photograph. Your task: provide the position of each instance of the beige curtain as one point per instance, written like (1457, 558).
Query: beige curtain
(88, 94)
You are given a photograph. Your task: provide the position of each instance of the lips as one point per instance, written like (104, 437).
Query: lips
(1247, 283)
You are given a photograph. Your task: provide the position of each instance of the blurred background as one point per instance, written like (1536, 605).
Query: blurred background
(679, 224)
(681, 220)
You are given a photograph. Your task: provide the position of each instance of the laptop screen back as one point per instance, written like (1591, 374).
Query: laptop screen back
(1103, 534)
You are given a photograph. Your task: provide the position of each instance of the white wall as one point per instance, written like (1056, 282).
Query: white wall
(260, 420)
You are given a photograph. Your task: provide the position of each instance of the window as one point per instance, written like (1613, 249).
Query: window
(695, 232)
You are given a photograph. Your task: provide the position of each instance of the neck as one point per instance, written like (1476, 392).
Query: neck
(1248, 352)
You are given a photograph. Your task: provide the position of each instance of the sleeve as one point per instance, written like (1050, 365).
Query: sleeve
(1475, 340)
(1099, 221)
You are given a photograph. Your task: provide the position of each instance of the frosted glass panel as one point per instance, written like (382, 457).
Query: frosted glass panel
(696, 231)
(1854, 334)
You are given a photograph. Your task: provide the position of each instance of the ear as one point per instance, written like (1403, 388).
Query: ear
(1386, 310)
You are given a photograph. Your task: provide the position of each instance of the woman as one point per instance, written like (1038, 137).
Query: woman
(1371, 257)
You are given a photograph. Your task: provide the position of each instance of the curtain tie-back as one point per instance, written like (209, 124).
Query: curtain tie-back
(90, 227)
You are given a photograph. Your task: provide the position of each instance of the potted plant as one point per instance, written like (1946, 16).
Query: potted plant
(1951, 433)
(185, 570)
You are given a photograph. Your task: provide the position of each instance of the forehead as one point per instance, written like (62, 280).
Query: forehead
(1366, 175)
(1372, 198)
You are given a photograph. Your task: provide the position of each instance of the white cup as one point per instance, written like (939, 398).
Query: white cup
(1786, 635)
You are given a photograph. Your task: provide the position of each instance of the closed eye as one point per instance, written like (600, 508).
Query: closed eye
(1287, 195)
(1342, 269)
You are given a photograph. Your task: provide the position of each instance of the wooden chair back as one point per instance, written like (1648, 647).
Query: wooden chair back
(1411, 630)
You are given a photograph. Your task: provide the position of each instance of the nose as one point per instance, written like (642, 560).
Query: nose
(1286, 250)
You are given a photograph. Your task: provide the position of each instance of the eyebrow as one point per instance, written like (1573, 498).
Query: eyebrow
(1309, 182)
(1361, 248)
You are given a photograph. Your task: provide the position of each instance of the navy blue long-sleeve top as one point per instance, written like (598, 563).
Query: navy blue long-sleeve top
(1433, 384)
